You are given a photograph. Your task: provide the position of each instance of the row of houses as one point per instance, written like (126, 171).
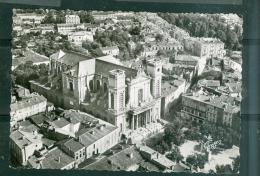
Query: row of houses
(75, 137)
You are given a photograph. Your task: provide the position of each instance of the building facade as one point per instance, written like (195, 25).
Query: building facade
(27, 107)
(80, 36)
(72, 19)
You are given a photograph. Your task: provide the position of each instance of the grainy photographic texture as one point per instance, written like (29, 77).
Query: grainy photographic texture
(132, 91)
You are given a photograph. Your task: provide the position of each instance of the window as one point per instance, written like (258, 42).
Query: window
(91, 85)
(158, 87)
(121, 100)
(140, 95)
(71, 85)
(112, 100)
(98, 84)
(105, 87)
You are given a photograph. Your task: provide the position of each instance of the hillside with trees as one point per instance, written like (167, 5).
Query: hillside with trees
(207, 26)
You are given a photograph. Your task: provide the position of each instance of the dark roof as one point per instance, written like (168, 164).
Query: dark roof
(72, 145)
(103, 68)
(118, 161)
(38, 118)
(48, 142)
(169, 87)
(75, 117)
(56, 159)
(60, 123)
(69, 58)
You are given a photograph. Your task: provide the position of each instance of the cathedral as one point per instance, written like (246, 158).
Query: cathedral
(126, 97)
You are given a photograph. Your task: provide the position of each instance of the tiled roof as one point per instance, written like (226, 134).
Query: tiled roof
(75, 117)
(171, 86)
(25, 103)
(118, 161)
(69, 57)
(56, 159)
(103, 68)
(95, 134)
(73, 145)
(60, 123)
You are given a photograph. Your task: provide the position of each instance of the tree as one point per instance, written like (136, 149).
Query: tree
(138, 49)
(135, 30)
(236, 164)
(175, 155)
(221, 169)
(173, 133)
(161, 53)
(86, 17)
(159, 37)
(197, 160)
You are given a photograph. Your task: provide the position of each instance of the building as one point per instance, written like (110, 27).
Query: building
(22, 92)
(65, 28)
(30, 18)
(156, 158)
(234, 64)
(80, 36)
(27, 107)
(44, 28)
(113, 50)
(72, 19)
(186, 60)
(171, 91)
(205, 47)
(222, 110)
(99, 139)
(24, 144)
(125, 97)
(56, 159)
(74, 149)
(128, 159)
(151, 48)
(98, 15)
(213, 84)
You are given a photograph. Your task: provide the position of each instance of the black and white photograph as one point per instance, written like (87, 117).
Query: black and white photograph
(126, 91)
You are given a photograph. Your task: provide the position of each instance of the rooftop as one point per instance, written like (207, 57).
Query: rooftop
(28, 102)
(171, 86)
(77, 116)
(60, 122)
(72, 145)
(209, 83)
(187, 58)
(56, 159)
(122, 160)
(109, 48)
(69, 57)
(19, 139)
(96, 133)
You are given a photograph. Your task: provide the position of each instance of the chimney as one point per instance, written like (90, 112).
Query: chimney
(130, 155)
(59, 159)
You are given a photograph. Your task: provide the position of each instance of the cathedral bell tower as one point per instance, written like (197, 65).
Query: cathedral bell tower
(154, 69)
(116, 97)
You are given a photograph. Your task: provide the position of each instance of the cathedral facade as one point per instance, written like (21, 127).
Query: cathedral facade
(126, 97)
